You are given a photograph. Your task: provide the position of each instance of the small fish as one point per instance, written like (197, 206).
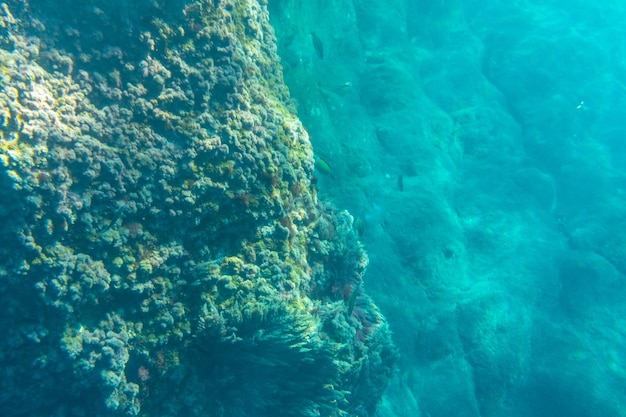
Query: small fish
(317, 45)
(352, 298)
(116, 217)
(345, 87)
(322, 166)
(359, 226)
(400, 183)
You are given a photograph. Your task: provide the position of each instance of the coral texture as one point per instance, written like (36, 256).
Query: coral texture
(164, 251)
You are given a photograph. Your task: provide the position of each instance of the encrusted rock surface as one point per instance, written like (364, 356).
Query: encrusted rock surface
(164, 252)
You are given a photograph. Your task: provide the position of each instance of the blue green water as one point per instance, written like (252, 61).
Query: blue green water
(170, 245)
(500, 260)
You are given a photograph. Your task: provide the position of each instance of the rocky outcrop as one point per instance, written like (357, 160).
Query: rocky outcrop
(164, 250)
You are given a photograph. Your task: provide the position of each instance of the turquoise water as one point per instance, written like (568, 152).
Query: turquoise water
(500, 261)
(172, 245)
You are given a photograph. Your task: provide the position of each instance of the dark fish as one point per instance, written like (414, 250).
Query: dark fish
(317, 45)
(116, 217)
(400, 183)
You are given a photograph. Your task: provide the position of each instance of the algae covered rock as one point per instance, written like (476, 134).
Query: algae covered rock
(164, 251)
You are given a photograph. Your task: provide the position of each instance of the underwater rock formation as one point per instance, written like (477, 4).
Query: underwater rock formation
(164, 252)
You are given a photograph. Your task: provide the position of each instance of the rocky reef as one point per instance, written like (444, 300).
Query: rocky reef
(164, 251)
